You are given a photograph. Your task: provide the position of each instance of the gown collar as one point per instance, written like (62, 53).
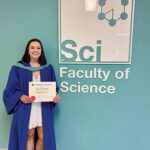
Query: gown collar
(27, 66)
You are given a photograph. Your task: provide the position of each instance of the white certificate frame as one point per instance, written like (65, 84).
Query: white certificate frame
(35, 88)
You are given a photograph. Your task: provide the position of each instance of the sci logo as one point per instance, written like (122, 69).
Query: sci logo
(82, 55)
(101, 36)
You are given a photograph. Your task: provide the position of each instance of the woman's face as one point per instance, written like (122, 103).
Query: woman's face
(35, 50)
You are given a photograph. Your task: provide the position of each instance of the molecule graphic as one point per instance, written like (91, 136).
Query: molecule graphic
(112, 21)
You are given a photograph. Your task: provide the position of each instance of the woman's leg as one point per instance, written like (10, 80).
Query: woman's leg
(30, 139)
(39, 144)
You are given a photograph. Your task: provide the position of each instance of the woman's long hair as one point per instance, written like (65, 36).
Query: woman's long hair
(26, 56)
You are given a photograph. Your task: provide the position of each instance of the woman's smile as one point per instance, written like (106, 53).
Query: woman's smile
(35, 53)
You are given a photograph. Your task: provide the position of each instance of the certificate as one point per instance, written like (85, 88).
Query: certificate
(42, 91)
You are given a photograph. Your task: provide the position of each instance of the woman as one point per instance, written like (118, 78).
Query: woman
(28, 117)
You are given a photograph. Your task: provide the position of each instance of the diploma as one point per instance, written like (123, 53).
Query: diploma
(42, 91)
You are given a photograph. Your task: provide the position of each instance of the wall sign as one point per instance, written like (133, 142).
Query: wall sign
(101, 35)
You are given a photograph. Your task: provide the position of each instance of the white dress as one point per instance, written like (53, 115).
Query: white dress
(36, 113)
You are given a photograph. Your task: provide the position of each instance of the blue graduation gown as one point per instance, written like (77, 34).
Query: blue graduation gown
(17, 85)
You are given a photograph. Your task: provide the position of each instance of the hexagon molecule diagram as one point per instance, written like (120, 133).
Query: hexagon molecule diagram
(103, 15)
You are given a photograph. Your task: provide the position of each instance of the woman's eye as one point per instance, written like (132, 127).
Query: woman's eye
(38, 48)
(32, 47)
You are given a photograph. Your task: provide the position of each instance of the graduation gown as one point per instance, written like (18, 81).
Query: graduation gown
(17, 85)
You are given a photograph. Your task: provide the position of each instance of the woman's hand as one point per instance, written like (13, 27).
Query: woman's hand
(57, 98)
(26, 99)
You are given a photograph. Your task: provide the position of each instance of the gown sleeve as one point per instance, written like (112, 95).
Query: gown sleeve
(12, 92)
(53, 78)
